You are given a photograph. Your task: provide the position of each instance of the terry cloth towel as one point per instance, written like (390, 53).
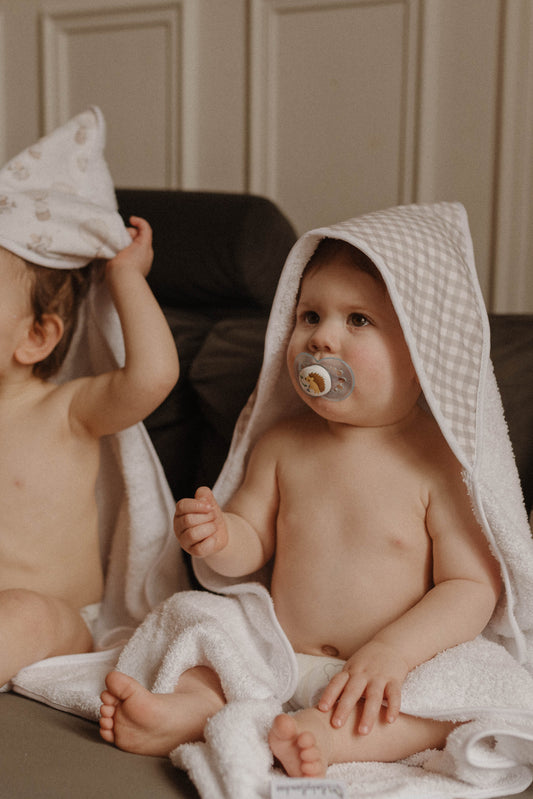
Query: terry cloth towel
(58, 209)
(424, 253)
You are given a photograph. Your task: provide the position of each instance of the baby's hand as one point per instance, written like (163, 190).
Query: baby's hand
(375, 672)
(139, 254)
(199, 524)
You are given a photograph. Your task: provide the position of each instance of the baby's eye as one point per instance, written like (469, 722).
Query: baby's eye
(358, 320)
(311, 317)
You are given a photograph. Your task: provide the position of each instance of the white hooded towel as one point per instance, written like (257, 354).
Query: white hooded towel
(424, 253)
(58, 209)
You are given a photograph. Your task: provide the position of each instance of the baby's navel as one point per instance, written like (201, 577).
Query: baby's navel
(330, 651)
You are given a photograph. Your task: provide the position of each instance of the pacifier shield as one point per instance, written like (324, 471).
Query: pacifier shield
(331, 378)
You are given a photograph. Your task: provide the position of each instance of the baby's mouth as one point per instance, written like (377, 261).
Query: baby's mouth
(330, 378)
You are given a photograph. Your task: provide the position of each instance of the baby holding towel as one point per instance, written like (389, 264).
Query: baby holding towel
(379, 563)
(57, 215)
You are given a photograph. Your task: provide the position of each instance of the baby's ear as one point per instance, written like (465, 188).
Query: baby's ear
(39, 340)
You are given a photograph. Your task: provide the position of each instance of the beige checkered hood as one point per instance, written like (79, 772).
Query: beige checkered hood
(425, 255)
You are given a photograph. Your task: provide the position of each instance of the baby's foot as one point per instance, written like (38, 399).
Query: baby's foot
(138, 721)
(297, 750)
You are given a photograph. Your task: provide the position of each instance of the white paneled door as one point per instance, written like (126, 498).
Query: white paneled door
(329, 107)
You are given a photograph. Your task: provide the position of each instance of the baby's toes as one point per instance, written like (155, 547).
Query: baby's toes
(312, 765)
(306, 740)
(312, 762)
(313, 769)
(108, 700)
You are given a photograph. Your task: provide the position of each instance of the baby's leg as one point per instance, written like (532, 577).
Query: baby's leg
(35, 626)
(306, 743)
(138, 721)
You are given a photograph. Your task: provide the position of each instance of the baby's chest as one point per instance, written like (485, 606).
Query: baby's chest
(370, 505)
(355, 479)
(38, 464)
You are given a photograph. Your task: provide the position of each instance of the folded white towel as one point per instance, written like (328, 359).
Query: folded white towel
(235, 636)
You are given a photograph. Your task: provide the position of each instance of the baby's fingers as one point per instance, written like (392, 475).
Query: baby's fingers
(348, 700)
(200, 541)
(371, 709)
(332, 691)
(190, 512)
(375, 699)
(393, 694)
(140, 228)
(205, 494)
(199, 524)
(190, 515)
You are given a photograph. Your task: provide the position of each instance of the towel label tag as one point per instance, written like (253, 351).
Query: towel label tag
(307, 789)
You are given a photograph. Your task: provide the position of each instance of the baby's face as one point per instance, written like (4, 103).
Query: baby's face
(346, 313)
(15, 305)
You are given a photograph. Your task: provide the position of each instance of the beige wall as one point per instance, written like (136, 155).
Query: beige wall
(330, 107)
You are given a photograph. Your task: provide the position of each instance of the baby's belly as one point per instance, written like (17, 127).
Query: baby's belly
(324, 616)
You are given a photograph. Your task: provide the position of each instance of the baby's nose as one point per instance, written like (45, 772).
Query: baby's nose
(323, 339)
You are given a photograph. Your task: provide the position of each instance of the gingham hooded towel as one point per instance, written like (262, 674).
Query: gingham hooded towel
(425, 255)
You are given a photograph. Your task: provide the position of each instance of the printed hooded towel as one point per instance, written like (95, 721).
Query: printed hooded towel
(58, 209)
(57, 201)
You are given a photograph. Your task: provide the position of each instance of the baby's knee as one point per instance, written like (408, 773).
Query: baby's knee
(35, 614)
(19, 600)
(34, 626)
(30, 608)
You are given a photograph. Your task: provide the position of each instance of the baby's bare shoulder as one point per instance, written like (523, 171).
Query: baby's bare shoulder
(60, 402)
(39, 403)
(429, 458)
(43, 415)
(429, 439)
(442, 470)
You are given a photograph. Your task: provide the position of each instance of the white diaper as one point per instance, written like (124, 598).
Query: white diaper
(314, 673)
(90, 614)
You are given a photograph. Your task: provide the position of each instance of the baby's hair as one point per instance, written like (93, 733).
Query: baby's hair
(58, 291)
(329, 249)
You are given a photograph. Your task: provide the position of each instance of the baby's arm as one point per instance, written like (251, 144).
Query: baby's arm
(241, 539)
(115, 400)
(466, 588)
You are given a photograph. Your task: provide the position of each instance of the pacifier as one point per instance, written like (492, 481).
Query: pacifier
(330, 378)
